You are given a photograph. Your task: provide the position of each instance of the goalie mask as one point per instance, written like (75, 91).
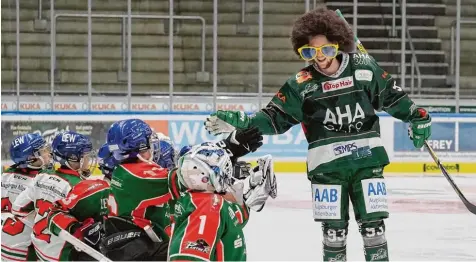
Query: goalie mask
(206, 168)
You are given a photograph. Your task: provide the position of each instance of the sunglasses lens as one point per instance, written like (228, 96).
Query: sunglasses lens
(330, 51)
(308, 52)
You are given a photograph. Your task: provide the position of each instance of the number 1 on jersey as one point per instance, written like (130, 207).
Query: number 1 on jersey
(201, 228)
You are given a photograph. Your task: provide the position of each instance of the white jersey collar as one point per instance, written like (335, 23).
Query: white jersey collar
(342, 67)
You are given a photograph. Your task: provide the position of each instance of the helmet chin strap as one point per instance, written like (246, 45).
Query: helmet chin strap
(150, 160)
(38, 167)
(82, 173)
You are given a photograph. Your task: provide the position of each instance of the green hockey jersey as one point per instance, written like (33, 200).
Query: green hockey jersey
(87, 199)
(142, 192)
(208, 228)
(338, 112)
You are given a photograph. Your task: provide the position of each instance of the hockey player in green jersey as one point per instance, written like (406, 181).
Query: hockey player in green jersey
(335, 99)
(80, 213)
(211, 214)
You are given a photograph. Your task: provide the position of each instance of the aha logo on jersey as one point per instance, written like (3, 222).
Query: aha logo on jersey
(338, 84)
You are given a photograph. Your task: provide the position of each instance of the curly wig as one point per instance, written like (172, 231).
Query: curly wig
(322, 21)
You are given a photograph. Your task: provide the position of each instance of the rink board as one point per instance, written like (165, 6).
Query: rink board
(453, 138)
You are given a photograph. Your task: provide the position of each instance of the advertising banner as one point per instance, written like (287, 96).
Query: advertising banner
(453, 138)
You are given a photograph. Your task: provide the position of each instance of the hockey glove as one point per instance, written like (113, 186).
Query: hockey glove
(261, 184)
(241, 170)
(420, 128)
(242, 142)
(89, 232)
(226, 121)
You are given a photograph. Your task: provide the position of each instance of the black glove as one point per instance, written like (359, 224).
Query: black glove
(90, 232)
(241, 142)
(241, 170)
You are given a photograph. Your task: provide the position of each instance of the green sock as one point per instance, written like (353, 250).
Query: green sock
(376, 253)
(334, 253)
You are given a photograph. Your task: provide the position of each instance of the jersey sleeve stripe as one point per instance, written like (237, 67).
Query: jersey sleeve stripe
(42, 256)
(220, 251)
(14, 250)
(173, 185)
(11, 258)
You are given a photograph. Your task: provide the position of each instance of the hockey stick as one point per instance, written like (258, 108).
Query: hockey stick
(471, 207)
(78, 244)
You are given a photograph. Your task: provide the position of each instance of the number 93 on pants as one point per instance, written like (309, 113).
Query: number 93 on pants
(365, 187)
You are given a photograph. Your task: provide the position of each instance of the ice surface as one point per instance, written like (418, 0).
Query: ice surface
(427, 222)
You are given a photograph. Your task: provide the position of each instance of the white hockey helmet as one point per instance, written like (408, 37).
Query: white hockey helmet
(206, 167)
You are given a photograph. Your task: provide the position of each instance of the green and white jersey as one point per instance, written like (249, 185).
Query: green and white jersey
(338, 112)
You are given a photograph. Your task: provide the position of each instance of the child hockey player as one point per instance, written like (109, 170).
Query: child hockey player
(141, 191)
(30, 153)
(74, 153)
(335, 99)
(81, 214)
(210, 215)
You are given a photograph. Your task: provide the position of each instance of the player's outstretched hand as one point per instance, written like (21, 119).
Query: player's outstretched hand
(226, 121)
(242, 141)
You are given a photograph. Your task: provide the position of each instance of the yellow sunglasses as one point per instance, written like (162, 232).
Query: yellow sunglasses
(310, 52)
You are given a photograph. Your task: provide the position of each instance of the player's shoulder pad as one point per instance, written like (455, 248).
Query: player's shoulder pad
(83, 189)
(145, 170)
(364, 66)
(296, 83)
(302, 77)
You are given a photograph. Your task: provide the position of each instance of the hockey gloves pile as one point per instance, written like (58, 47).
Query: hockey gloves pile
(420, 128)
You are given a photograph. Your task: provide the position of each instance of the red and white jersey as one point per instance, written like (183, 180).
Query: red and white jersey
(47, 189)
(16, 236)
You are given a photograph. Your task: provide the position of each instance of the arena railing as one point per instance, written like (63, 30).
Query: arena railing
(129, 16)
(455, 50)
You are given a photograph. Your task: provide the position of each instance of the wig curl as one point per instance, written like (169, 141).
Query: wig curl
(322, 21)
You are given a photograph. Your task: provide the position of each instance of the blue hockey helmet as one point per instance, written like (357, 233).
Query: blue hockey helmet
(130, 138)
(26, 150)
(184, 150)
(75, 151)
(165, 154)
(106, 161)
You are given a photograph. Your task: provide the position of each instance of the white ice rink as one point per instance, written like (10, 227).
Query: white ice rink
(427, 222)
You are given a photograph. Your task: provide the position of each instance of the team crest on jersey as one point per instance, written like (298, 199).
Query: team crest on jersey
(199, 245)
(303, 76)
(338, 84)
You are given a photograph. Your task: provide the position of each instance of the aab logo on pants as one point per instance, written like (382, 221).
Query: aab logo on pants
(326, 201)
(375, 195)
